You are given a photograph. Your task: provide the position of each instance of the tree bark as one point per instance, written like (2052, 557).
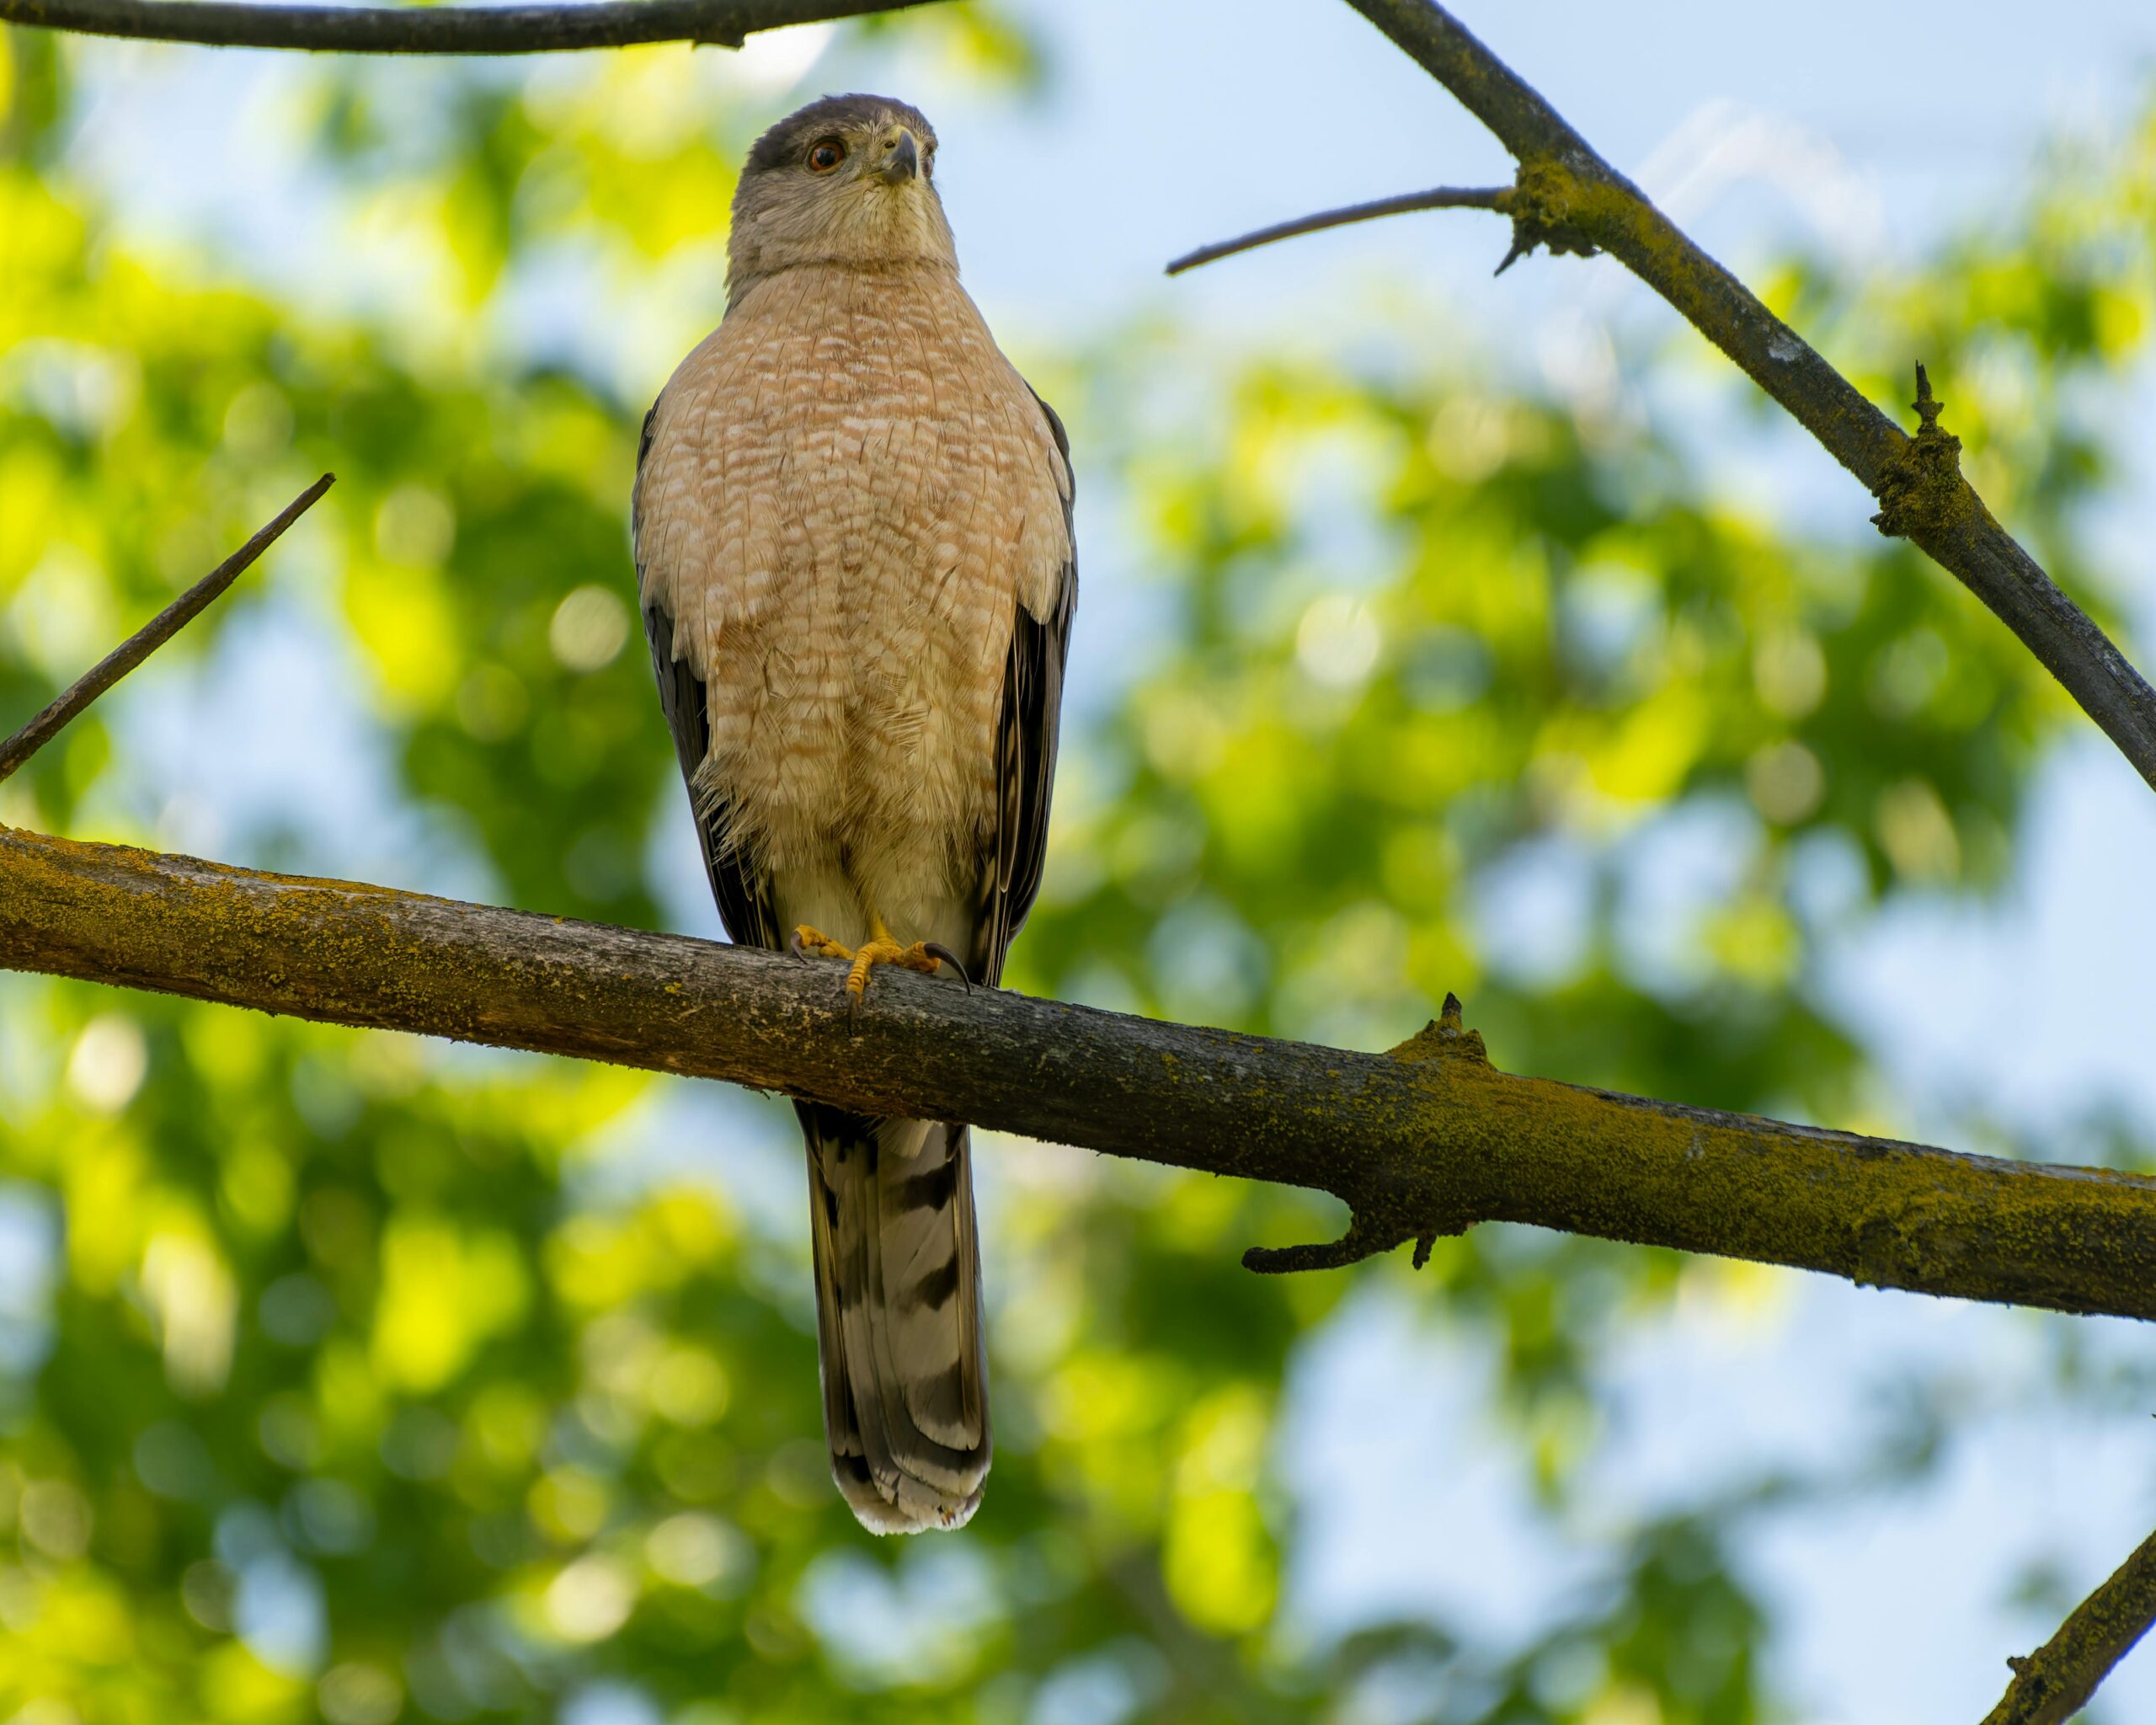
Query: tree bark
(1429, 1138)
(2055, 1682)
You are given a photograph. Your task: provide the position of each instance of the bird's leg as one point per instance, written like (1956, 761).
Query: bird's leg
(880, 948)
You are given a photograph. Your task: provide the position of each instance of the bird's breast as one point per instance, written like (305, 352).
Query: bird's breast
(865, 482)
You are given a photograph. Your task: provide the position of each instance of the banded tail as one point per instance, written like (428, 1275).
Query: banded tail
(898, 1317)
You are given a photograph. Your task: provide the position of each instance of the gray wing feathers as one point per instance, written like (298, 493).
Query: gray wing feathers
(1025, 748)
(743, 897)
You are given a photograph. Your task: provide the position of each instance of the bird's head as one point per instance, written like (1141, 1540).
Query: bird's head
(847, 180)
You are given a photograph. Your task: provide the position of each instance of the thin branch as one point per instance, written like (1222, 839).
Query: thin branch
(1498, 198)
(2055, 1682)
(1568, 198)
(1427, 1138)
(433, 29)
(152, 635)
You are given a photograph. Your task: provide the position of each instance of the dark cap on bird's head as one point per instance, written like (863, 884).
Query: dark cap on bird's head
(847, 181)
(843, 119)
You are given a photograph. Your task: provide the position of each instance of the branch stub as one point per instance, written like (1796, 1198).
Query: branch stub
(1445, 1037)
(1921, 493)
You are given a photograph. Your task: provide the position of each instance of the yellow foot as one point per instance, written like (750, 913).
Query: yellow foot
(880, 949)
(807, 940)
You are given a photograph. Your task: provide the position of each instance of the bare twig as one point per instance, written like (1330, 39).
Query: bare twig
(152, 635)
(433, 29)
(2055, 1682)
(1568, 198)
(1428, 1138)
(1498, 198)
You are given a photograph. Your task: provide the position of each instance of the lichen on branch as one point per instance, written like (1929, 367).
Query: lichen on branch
(1428, 1139)
(1922, 491)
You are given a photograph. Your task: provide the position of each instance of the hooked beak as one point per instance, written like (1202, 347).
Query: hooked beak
(901, 159)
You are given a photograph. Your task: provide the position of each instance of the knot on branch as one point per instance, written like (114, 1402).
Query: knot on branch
(1922, 491)
(1445, 1037)
(1552, 208)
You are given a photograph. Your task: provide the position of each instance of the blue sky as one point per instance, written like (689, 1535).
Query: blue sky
(1865, 127)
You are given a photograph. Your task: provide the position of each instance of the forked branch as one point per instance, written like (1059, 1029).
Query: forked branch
(1566, 197)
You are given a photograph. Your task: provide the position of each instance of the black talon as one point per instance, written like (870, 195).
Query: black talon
(947, 956)
(793, 945)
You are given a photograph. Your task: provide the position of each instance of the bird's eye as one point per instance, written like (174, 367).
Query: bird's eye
(827, 155)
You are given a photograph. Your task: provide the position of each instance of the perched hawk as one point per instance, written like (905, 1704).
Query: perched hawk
(853, 542)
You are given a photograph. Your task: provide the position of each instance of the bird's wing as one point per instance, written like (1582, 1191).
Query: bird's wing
(743, 895)
(1025, 742)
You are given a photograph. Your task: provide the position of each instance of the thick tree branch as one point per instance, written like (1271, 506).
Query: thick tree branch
(433, 29)
(1567, 198)
(1427, 1139)
(2055, 1682)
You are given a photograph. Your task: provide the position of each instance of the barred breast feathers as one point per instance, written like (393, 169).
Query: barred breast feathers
(857, 488)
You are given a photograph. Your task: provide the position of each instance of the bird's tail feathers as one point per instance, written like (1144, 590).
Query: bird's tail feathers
(898, 1317)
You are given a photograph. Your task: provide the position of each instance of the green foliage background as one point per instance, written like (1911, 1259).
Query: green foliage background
(373, 1379)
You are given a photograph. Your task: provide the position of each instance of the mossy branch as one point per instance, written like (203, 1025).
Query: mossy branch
(1922, 489)
(2055, 1682)
(433, 29)
(1566, 197)
(1428, 1139)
